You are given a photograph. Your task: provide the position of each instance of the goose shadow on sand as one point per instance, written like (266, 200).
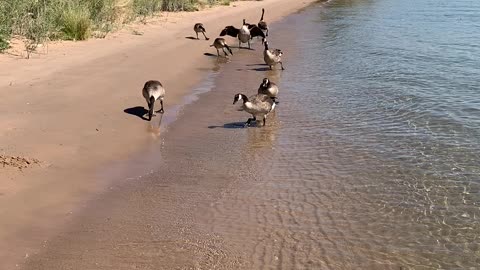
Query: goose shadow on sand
(256, 67)
(234, 125)
(222, 58)
(242, 48)
(138, 111)
(190, 37)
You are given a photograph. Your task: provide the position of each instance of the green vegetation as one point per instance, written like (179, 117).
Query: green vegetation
(38, 21)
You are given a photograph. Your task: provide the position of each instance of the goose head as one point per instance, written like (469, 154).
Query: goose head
(239, 97)
(265, 82)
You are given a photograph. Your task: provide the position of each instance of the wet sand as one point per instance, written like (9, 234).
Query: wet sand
(208, 202)
(74, 111)
(163, 220)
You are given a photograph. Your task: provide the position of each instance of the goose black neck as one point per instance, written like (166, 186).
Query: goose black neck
(263, 12)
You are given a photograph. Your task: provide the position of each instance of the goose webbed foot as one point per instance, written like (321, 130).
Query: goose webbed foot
(249, 121)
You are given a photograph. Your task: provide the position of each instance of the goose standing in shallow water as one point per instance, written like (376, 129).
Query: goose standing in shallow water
(269, 88)
(152, 91)
(199, 28)
(263, 24)
(244, 34)
(272, 57)
(220, 43)
(258, 106)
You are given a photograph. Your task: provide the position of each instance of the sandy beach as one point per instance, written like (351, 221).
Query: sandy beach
(70, 115)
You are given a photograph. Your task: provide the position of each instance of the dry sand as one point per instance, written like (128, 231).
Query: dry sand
(65, 111)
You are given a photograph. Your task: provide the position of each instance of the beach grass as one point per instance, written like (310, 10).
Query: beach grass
(37, 21)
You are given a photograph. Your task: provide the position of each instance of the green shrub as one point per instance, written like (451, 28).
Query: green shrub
(75, 22)
(146, 7)
(179, 5)
(42, 20)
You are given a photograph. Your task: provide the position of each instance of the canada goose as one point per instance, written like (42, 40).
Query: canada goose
(269, 88)
(263, 24)
(272, 57)
(198, 28)
(220, 43)
(244, 34)
(257, 105)
(153, 90)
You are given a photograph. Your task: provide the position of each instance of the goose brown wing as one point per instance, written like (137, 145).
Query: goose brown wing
(256, 32)
(263, 103)
(230, 30)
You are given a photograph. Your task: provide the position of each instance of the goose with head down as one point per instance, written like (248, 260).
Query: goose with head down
(153, 91)
(259, 106)
(199, 28)
(220, 43)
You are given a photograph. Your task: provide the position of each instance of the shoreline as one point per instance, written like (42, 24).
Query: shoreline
(73, 143)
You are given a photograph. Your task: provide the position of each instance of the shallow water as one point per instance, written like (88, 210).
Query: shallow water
(370, 161)
(375, 149)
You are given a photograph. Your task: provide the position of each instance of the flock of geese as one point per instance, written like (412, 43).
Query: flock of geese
(259, 105)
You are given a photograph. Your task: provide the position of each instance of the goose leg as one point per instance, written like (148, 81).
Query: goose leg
(281, 64)
(218, 53)
(249, 44)
(161, 109)
(239, 44)
(250, 120)
(225, 52)
(206, 38)
(271, 67)
(197, 34)
(264, 120)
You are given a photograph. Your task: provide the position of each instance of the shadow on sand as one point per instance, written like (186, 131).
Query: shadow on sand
(194, 38)
(138, 111)
(234, 125)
